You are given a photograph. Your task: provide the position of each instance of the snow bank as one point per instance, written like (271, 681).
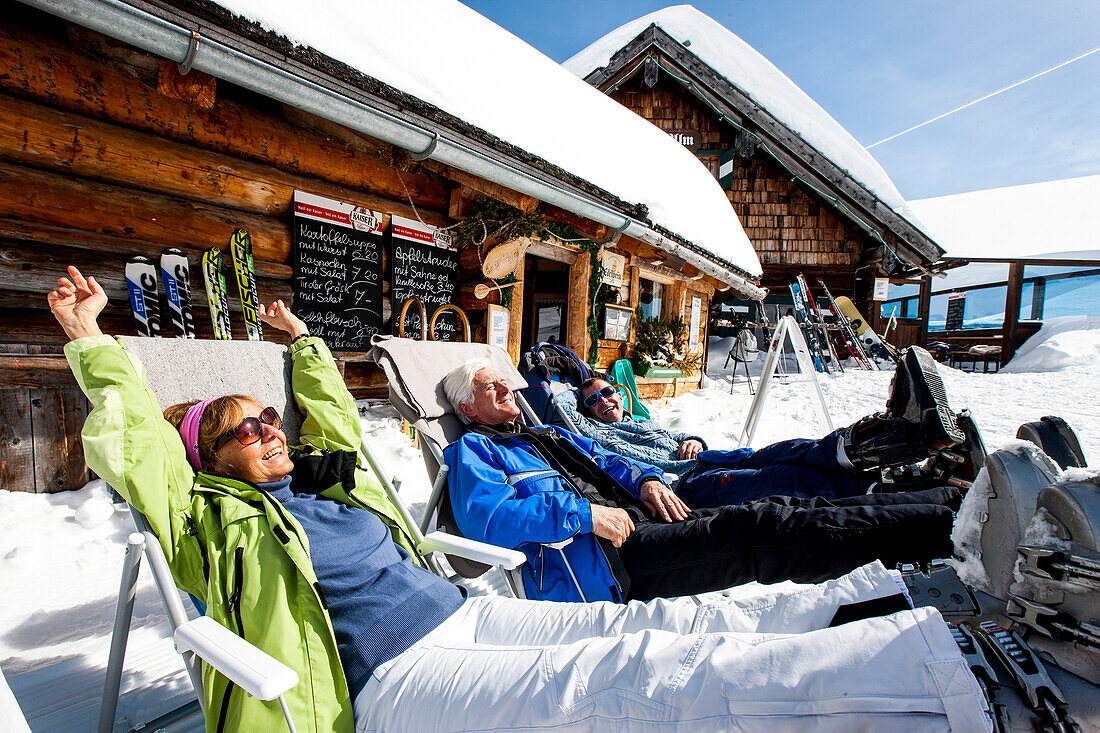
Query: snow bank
(445, 54)
(746, 69)
(1061, 343)
(1016, 221)
(60, 563)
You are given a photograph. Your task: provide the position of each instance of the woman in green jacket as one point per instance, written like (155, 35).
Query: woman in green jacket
(323, 577)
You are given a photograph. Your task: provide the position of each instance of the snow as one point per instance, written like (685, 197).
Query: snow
(967, 534)
(61, 554)
(455, 59)
(747, 70)
(1061, 343)
(1051, 219)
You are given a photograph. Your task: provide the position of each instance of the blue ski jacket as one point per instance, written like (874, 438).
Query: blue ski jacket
(504, 493)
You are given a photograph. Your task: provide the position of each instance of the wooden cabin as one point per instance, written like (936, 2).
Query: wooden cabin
(108, 151)
(828, 211)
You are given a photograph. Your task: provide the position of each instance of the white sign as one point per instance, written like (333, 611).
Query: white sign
(882, 288)
(500, 320)
(614, 268)
(696, 323)
(319, 208)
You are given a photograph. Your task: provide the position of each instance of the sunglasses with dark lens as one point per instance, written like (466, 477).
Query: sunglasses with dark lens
(251, 429)
(592, 399)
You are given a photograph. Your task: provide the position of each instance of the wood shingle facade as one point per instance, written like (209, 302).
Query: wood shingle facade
(801, 211)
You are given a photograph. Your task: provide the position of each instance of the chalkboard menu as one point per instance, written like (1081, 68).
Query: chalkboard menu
(956, 303)
(422, 265)
(337, 270)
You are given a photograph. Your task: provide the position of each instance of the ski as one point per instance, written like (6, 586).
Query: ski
(141, 282)
(855, 348)
(811, 337)
(215, 293)
(240, 245)
(175, 274)
(818, 321)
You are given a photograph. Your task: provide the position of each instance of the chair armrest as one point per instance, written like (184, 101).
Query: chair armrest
(256, 672)
(471, 550)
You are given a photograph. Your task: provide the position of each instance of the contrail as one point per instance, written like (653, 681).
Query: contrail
(982, 99)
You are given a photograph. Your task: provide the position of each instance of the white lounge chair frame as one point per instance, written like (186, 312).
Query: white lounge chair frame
(256, 672)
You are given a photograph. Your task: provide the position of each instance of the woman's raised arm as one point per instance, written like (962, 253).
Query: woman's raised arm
(76, 304)
(331, 418)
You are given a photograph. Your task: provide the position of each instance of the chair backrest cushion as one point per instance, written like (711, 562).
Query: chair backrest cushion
(180, 370)
(415, 370)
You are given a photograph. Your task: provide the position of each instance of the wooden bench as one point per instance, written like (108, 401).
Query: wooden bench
(957, 358)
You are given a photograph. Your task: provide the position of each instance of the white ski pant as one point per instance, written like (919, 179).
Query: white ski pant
(764, 662)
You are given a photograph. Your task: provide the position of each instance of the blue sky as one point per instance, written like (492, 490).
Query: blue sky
(881, 66)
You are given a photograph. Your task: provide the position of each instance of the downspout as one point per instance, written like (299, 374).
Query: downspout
(169, 40)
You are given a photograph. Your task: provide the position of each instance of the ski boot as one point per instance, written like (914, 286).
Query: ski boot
(956, 466)
(917, 423)
(917, 395)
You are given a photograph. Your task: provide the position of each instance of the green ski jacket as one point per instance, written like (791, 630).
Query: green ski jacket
(227, 542)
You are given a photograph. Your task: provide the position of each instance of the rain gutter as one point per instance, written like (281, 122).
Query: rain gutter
(171, 40)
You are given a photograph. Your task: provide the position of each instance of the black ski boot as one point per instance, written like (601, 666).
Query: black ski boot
(917, 396)
(917, 423)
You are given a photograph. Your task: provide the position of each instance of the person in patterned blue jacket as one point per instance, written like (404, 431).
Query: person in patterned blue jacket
(630, 537)
(844, 463)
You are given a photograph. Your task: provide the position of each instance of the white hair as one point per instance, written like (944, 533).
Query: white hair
(459, 386)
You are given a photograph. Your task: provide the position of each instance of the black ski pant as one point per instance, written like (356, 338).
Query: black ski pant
(783, 538)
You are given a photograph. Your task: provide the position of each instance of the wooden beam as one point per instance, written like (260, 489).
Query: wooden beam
(1012, 311)
(50, 72)
(32, 195)
(515, 316)
(38, 371)
(634, 295)
(456, 208)
(35, 135)
(493, 190)
(1034, 262)
(550, 251)
(57, 415)
(576, 328)
(33, 268)
(24, 236)
(924, 308)
(585, 227)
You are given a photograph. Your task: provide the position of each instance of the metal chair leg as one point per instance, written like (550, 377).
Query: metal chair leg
(124, 612)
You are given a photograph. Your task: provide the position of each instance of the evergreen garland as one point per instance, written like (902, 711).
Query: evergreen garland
(491, 218)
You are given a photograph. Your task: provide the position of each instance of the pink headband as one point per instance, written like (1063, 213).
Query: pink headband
(189, 431)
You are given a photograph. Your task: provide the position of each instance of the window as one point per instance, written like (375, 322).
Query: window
(649, 297)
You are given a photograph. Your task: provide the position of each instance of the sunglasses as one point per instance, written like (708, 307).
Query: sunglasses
(251, 429)
(592, 399)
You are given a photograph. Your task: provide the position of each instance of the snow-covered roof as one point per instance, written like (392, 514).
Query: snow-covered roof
(1033, 220)
(747, 70)
(447, 55)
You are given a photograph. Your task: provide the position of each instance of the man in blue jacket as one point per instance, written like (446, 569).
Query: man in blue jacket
(630, 537)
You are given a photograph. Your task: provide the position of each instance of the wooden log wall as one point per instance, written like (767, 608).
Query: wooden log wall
(791, 227)
(101, 160)
(107, 152)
